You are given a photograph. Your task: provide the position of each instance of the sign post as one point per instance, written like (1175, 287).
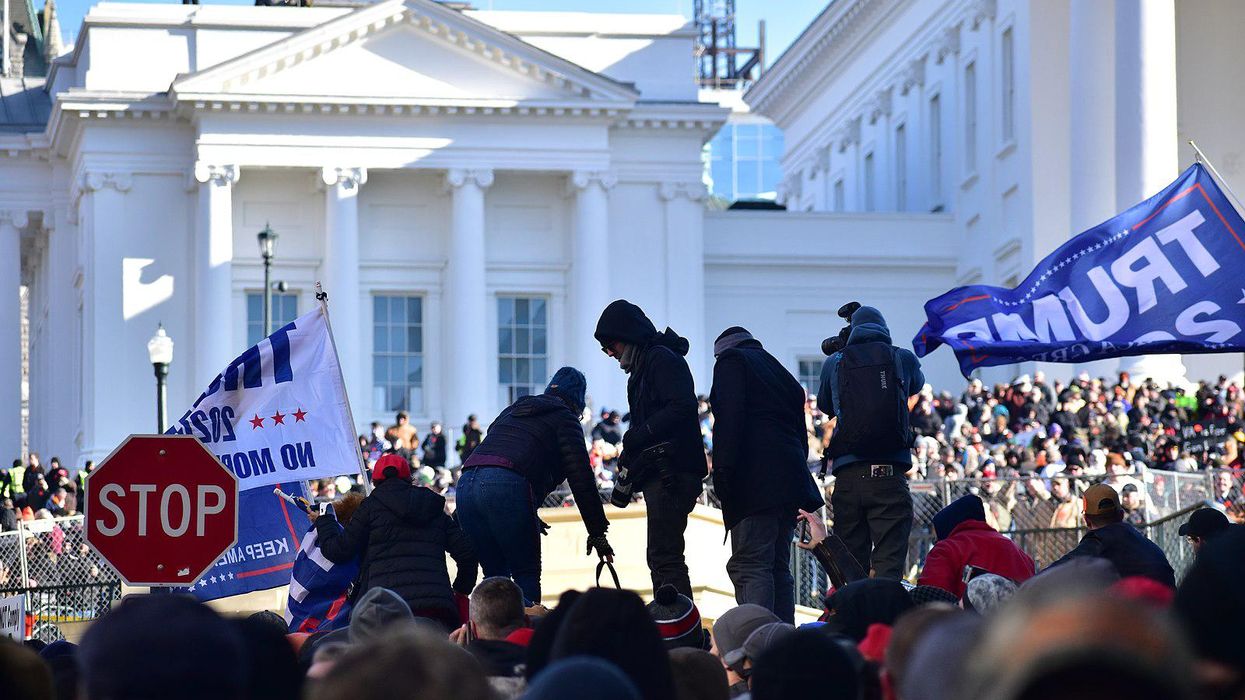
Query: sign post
(163, 509)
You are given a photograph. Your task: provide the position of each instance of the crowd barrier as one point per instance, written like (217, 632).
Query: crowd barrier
(63, 580)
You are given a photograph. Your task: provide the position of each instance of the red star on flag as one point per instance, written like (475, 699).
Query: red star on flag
(278, 418)
(257, 422)
(299, 415)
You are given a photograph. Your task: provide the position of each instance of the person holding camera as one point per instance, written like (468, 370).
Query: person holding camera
(868, 388)
(760, 468)
(663, 454)
(532, 447)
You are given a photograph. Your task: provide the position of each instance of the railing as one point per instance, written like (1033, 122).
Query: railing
(64, 581)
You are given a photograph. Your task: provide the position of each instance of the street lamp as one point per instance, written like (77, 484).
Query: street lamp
(160, 350)
(267, 248)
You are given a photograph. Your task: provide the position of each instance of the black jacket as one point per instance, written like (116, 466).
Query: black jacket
(403, 534)
(760, 445)
(434, 449)
(540, 438)
(1127, 549)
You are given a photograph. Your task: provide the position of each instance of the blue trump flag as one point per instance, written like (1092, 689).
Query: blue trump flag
(319, 588)
(1163, 277)
(269, 531)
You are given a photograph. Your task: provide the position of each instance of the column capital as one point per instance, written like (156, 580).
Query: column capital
(217, 174)
(879, 106)
(671, 189)
(848, 134)
(912, 75)
(981, 10)
(947, 44)
(457, 177)
(95, 180)
(348, 178)
(580, 180)
(17, 218)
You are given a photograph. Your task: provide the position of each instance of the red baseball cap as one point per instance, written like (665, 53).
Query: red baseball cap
(391, 460)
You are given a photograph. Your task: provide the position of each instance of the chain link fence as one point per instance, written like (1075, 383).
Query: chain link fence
(63, 580)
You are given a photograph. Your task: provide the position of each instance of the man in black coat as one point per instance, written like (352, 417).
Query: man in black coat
(532, 447)
(662, 400)
(404, 534)
(1123, 545)
(760, 468)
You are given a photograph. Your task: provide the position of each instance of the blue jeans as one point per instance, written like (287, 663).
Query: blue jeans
(760, 563)
(496, 510)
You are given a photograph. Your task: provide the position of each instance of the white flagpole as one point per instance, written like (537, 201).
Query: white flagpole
(324, 307)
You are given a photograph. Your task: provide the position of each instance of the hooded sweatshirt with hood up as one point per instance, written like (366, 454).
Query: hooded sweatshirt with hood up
(868, 326)
(660, 392)
(964, 539)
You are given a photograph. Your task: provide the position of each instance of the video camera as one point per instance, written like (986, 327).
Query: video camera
(835, 343)
(631, 472)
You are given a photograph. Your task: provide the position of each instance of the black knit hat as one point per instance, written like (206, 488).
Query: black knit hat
(677, 619)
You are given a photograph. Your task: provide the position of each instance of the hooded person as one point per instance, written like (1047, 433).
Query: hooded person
(532, 447)
(401, 534)
(805, 663)
(760, 467)
(861, 603)
(867, 392)
(965, 539)
(661, 397)
(1209, 596)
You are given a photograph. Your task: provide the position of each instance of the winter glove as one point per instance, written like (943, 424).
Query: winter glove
(544, 526)
(602, 545)
(634, 439)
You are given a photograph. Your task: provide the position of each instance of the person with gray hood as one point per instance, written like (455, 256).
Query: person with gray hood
(868, 389)
(729, 633)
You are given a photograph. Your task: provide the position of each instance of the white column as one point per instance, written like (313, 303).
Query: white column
(10, 335)
(340, 273)
(685, 273)
(467, 350)
(590, 282)
(214, 343)
(1092, 129)
(1146, 157)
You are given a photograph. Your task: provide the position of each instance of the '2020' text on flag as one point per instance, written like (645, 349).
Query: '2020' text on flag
(1162, 277)
(278, 412)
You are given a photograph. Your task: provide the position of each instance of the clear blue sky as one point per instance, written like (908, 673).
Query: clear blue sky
(784, 19)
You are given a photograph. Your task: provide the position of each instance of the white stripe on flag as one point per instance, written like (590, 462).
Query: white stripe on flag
(297, 592)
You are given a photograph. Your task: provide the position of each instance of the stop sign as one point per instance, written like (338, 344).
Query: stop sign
(162, 510)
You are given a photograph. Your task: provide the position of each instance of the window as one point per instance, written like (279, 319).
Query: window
(284, 310)
(522, 347)
(869, 182)
(809, 369)
(397, 354)
(935, 153)
(1008, 61)
(840, 196)
(743, 160)
(901, 168)
(970, 118)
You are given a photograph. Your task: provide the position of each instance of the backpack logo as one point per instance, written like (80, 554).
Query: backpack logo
(882, 376)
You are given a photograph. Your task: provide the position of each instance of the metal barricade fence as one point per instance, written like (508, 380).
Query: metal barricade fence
(62, 578)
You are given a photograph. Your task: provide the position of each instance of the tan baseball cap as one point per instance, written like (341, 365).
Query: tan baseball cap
(1101, 499)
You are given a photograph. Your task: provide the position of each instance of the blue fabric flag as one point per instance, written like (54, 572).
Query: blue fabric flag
(1163, 277)
(268, 541)
(318, 587)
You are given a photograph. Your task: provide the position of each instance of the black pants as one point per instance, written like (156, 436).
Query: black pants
(668, 508)
(873, 516)
(760, 563)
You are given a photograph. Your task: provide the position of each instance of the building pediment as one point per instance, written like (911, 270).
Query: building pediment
(404, 52)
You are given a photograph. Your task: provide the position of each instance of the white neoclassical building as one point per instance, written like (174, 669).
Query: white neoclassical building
(472, 188)
(1006, 126)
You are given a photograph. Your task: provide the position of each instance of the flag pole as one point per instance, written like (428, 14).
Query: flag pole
(1201, 158)
(323, 298)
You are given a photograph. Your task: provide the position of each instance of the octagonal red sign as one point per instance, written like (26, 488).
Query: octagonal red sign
(162, 510)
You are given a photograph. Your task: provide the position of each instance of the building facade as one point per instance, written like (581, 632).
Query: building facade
(471, 188)
(1022, 121)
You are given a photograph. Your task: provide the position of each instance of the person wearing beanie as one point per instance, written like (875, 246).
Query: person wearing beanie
(400, 533)
(805, 663)
(532, 447)
(677, 619)
(988, 591)
(760, 467)
(1111, 538)
(661, 397)
(729, 633)
(965, 539)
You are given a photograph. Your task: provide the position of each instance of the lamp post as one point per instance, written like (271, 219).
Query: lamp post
(267, 247)
(160, 351)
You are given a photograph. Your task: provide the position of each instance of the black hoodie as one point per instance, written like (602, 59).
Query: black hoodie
(403, 533)
(660, 392)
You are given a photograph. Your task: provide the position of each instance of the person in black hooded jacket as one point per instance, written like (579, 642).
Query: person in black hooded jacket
(404, 534)
(662, 399)
(532, 447)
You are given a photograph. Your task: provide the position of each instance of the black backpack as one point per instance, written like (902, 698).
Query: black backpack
(873, 418)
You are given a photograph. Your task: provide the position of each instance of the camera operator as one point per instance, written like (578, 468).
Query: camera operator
(868, 388)
(662, 401)
(760, 468)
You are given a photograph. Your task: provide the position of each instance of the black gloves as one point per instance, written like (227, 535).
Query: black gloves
(602, 545)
